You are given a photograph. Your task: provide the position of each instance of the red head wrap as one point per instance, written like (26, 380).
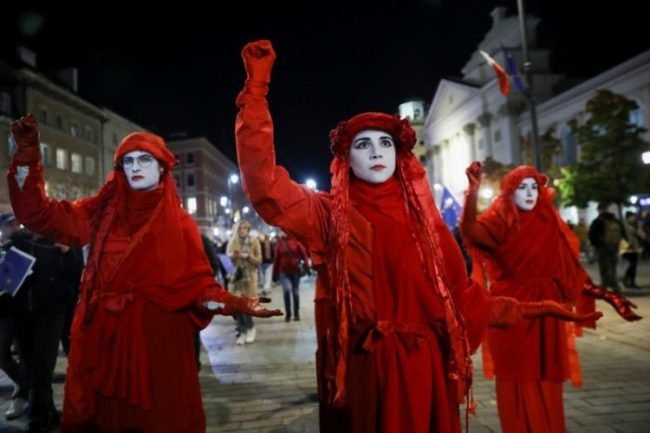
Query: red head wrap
(399, 129)
(146, 142)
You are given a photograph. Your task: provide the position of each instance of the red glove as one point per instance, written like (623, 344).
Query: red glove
(505, 311)
(533, 310)
(258, 59)
(25, 132)
(473, 173)
(621, 304)
(219, 301)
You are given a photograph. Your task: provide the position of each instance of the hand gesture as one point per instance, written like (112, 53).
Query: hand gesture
(506, 311)
(473, 173)
(621, 304)
(25, 133)
(548, 308)
(258, 60)
(251, 306)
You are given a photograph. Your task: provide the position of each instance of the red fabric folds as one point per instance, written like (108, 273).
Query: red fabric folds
(146, 264)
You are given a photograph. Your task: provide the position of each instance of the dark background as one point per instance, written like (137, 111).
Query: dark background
(177, 69)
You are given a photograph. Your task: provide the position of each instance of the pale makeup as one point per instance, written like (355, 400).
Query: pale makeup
(526, 194)
(373, 156)
(142, 170)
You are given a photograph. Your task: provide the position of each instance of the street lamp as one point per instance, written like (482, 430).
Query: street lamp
(233, 179)
(645, 157)
(529, 83)
(311, 184)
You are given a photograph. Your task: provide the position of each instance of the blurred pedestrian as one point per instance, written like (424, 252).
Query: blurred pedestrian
(246, 254)
(605, 234)
(290, 264)
(631, 247)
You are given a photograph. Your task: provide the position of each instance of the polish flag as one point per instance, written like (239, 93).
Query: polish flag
(502, 76)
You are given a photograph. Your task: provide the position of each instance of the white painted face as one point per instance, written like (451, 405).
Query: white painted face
(142, 170)
(526, 194)
(372, 156)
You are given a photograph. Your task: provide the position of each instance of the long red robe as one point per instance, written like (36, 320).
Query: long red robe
(132, 364)
(530, 260)
(397, 369)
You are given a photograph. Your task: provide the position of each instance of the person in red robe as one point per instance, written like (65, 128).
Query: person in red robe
(146, 289)
(531, 255)
(397, 317)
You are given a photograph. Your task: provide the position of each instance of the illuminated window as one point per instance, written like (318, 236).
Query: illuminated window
(45, 154)
(75, 165)
(90, 166)
(191, 205)
(61, 159)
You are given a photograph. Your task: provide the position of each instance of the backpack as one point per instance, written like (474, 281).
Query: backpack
(613, 233)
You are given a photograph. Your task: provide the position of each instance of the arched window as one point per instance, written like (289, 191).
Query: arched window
(569, 149)
(636, 116)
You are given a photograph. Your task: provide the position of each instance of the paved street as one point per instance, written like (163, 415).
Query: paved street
(269, 386)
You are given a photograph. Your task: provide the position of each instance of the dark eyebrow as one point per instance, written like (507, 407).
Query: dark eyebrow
(361, 139)
(381, 137)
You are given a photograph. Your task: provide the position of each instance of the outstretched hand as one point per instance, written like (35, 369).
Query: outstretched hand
(623, 306)
(473, 173)
(533, 310)
(25, 133)
(251, 306)
(259, 57)
(506, 311)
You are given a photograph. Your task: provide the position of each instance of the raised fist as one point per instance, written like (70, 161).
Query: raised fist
(473, 173)
(25, 133)
(258, 60)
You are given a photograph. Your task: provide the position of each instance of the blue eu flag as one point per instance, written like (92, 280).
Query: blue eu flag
(450, 209)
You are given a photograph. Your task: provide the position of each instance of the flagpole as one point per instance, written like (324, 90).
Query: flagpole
(529, 81)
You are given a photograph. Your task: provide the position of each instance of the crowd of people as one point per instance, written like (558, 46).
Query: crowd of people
(401, 302)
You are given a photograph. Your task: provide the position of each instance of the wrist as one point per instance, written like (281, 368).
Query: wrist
(256, 85)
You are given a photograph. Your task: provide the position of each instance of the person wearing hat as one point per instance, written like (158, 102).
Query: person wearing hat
(145, 290)
(397, 317)
(531, 254)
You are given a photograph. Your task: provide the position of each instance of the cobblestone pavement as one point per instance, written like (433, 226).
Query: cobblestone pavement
(269, 386)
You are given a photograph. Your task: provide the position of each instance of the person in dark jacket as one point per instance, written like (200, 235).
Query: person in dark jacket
(605, 234)
(12, 368)
(39, 315)
(289, 259)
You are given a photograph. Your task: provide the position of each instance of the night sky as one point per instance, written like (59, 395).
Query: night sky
(179, 69)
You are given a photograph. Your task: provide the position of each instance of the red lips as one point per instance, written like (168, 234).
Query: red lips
(377, 167)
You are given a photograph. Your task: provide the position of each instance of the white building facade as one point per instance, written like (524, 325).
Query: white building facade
(470, 119)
